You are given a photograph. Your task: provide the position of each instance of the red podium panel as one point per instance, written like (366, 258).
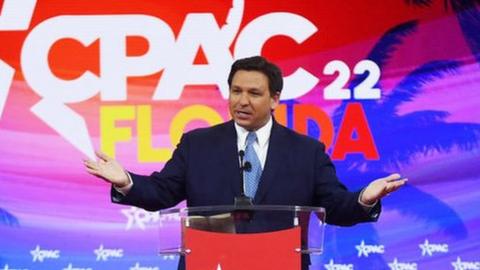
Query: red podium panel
(253, 251)
(241, 237)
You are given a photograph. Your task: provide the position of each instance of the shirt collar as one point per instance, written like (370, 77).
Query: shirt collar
(263, 133)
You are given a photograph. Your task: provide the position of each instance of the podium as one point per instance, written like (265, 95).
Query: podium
(243, 237)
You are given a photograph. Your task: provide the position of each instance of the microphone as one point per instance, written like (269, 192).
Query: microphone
(247, 166)
(241, 154)
(243, 200)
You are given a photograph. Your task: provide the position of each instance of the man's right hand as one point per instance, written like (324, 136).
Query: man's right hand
(107, 169)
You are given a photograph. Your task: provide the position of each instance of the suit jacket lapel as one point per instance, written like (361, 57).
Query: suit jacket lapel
(275, 154)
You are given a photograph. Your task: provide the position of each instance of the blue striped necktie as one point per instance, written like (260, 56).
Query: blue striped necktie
(252, 176)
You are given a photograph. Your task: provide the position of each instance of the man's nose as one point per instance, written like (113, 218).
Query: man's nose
(244, 99)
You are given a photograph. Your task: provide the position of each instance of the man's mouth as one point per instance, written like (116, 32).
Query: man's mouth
(243, 114)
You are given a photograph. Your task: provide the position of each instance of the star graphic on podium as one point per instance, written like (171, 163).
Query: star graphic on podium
(362, 249)
(330, 265)
(463, 265)
(425, 248)
(457, 264)
(100, 252)
(37, 254)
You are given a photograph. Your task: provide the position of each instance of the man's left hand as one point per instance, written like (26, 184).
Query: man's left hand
(381, 188)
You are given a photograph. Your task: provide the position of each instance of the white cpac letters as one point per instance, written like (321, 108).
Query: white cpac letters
(201, 30)
(256, 34)
(16, 15)
(174, 57)
(115, 66)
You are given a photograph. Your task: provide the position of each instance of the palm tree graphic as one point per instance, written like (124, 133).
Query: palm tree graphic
(468, 16)
(6, 218)
(399, 138)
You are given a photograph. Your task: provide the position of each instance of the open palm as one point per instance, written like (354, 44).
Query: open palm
(107, 169)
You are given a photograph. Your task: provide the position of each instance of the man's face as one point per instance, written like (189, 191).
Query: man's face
(250, 101)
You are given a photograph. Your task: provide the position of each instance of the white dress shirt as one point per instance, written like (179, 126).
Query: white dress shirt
(260, 145)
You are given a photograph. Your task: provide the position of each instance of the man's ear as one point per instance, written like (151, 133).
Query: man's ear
(275, 100)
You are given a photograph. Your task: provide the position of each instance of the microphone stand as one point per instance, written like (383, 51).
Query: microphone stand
(243, 201)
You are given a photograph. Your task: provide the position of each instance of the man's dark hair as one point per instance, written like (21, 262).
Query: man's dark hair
(258, 63)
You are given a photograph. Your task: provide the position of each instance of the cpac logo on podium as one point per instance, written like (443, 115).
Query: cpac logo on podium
(103, 254)
(6, 267)
(396, 265)
(71, 267)
(137, 217)
(138, 267)
(42, 254)
(336, 266)
(365, 250)
(465, 265)
(428, 248)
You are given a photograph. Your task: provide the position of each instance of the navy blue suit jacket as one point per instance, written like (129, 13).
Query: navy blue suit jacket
(204, 170)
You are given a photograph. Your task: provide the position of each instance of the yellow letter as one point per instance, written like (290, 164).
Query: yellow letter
(146, 153)
(195, 112)
(109, 133)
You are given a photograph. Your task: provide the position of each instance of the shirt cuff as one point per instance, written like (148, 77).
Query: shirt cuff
(366, 207)
(125, 189)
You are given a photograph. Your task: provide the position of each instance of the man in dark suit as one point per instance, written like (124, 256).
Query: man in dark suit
(286, 168)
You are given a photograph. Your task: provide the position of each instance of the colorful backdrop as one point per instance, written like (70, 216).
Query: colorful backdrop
(386, 85)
